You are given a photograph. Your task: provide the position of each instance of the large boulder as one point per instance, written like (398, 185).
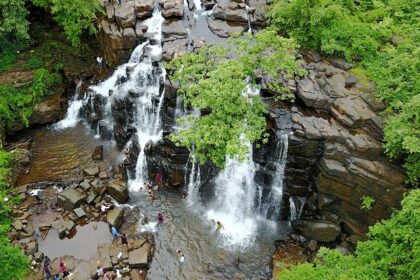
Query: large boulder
(223, 28)
(70, 199)
(173, 30)
(138, 258)
(115, 216)
(143, 8)
(231, 11)
(320, 230)
(125, 14)
(118, 190)
(172, 8)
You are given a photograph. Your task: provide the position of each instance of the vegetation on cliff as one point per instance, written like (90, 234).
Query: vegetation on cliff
(383, 37)
(219, 81)
(16, 104)
(13, 264)
(391, 252)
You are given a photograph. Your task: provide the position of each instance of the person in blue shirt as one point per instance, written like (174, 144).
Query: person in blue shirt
(115, 234)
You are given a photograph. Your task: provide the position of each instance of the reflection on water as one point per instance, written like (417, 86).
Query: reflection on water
(60, 154)
(82, 246)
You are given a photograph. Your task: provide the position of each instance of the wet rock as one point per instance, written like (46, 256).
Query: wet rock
(173, 30)
(85, 185)
(313, 245)
(39, 256)
(138, 258)
(319, 230)
(115, 216)
(50, 110)
(31, 248)
(70, 199)
(350, 81)
(80, 213)
(231, 11)
(172, 8)
(259, 14)
(91, 171)
(143, 8)
(174, 48)
(103, 175)
(340, 63)
(125, 14)
(118, 190)
(17, 225)
(224, 29)
(208, 4)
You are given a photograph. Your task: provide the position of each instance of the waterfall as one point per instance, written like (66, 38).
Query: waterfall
(234, 204)
(72, 116)
(272, 205)
(197, 4)
(296, 207)
(194, 180)
(249, 20)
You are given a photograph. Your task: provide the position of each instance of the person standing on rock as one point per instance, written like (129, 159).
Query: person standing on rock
(63, 269)
(47, 266)
(123, 237)
(158, 178)
(115, 233)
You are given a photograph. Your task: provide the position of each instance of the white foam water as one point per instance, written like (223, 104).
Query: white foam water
(72, 117)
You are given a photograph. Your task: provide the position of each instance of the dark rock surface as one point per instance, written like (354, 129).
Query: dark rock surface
(319, 230)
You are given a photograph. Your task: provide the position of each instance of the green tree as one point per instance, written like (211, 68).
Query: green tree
(13, 30)
(13, 264)
(213, 81)
(76, 16)
(383, 36)
(391, 252)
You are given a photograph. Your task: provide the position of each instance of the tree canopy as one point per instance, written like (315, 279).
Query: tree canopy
(219, 81)
(383, 37)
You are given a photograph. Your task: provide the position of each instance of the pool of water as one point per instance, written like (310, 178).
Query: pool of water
(60, 154)
(185, 228)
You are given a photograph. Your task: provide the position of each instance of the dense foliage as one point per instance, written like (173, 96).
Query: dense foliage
(392, 251)
(13, 30)
(16, 104)
(13, 264)
(76, 16)
(383, 36)
(220, 83)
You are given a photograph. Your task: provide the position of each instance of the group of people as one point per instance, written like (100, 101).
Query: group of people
(62, 268)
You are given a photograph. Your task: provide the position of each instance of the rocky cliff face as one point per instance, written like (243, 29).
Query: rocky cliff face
(335, 153)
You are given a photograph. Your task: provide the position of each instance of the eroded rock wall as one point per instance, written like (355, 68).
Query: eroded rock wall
(335, 153)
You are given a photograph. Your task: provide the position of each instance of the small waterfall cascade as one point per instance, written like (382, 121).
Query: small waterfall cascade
(234, 204)
(249, 19)
(194, 180)
(271, 206)
(72, 116)
(197, 4)
(296, 207)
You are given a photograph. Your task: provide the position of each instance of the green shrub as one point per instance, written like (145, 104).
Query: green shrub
(13, 264)
(367, 203)
(383, 36)
(16, 104)
(214, 84)
(391, 252)
(76, 17)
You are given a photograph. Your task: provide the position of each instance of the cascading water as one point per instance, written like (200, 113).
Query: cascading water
(272, 205)
(234, 205)
(72, 116)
